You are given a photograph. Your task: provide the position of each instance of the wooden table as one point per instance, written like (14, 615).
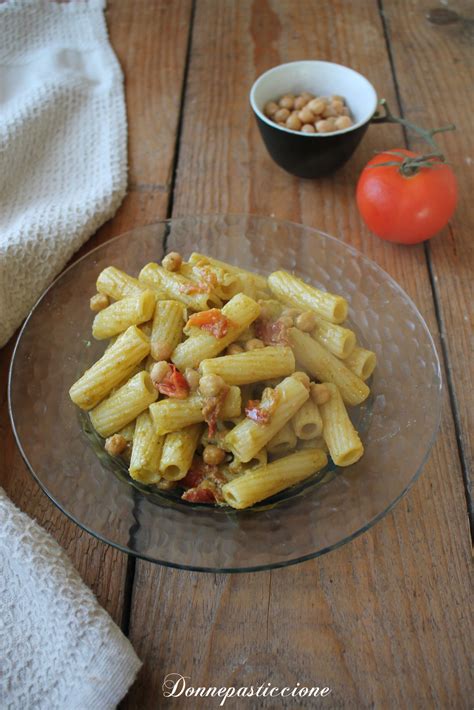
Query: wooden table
(383, 621)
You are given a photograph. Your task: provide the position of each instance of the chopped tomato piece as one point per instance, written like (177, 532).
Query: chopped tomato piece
(207, 282)
(271, 332)
(212, 408)
(196, 474)
(174, 384)
(199, 495)
(193, 288)
(262, 411)
(214, 321)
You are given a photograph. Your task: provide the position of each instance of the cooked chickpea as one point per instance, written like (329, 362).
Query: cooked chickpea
(213, 455)
(337, 105)
(300, 101)
(254, 344)
(159, 371)
(115, 445)
(160, 350)
(306, 321)
(319, 393)
(317, 106)
(211, 385)
(293, 122)
(306, 116)
(287, 101)
(308, 113)
(324, 126)
(172, 261)
(287, 321)
(342, 122)
(192, 378)
(290, 312)
(270, 108)
(98, 302)
(303, 378)
(234, 348)
(329, 112)
(281, 115)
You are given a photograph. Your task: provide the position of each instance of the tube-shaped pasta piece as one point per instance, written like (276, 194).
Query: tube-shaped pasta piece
(265, 481)
(178, 452)
(251, 366)
(361, 362)
(260, 282)
(338, 340)
(116, 363)
(295, 292)
(127, 432)
(240, 311)
(177, 287)
(146, 451)
(223, 283)
(248, 437)
(124, 405)
(174, 414)
(323, 365)
(117, 284)
(283, 441)
(339, 434)
(131, 310)
(237, 466)
(167, 328)
(317, 443)
(307, 422)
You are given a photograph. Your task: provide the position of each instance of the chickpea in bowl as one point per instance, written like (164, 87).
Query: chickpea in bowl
(314, 151)
(310, 114)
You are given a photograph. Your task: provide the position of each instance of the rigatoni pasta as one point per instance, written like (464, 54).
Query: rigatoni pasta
(220, 384)
(295, 292)
(124, 405)
(131, 310)
(116, 363)
(343, 441)
(146, 451)
(262, 482)
(251, 366)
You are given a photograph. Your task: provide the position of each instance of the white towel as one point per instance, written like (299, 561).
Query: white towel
(63, 160)
(59, 650)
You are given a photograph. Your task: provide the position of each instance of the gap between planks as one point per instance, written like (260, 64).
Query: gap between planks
(436, 300)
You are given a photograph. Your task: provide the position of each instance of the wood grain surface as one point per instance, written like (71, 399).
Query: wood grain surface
(434, 65)
(383, 621)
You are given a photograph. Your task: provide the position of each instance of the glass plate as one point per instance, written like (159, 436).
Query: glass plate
(398, 423)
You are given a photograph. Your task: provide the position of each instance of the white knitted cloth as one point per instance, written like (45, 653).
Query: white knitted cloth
(63, 161)
(59, 650)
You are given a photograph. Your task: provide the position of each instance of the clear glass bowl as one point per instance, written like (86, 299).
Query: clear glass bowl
(398, 423)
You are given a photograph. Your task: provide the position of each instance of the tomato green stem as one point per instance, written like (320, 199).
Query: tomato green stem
(409, 166)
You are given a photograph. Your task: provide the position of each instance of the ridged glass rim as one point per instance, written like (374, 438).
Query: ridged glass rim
(256, 568)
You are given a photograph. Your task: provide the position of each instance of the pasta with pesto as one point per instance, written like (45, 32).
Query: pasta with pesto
(221, 386)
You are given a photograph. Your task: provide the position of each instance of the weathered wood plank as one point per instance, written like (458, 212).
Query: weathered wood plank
(434, 67)
(380, 620)
(151, 42)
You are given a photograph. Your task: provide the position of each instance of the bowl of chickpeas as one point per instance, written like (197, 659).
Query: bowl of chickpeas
(312, 115)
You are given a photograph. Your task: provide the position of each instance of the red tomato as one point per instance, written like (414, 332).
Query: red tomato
(405, 209)
(214, 321)
(174, 384)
